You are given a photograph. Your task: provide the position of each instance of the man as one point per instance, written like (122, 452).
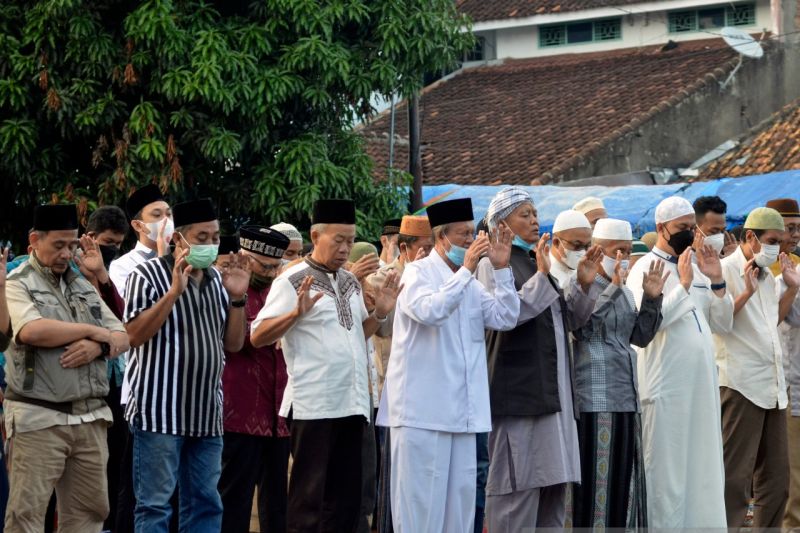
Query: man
(751, 378)
(612, 493)
(710, 212)
(789, 331)
(317, 310)
(678, 385)
(295, 241)
(572, 238)
(256, 442)
(151, 220)
(415, 241)
(638, 250)
(55, 414)
(436, 394)
(593, 208)
(533, 446)
(389, 250)
(181, 314)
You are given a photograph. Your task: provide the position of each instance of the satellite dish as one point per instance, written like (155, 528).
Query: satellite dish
(744, 44)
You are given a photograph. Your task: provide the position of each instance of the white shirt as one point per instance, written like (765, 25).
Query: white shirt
(437, 377)
(325, 350)
(121, 268)
(750, 357)
(789, 331)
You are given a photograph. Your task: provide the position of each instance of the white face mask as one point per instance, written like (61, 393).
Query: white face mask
(768, 255)
(154, 228)
(717, 242)
(573, 257)
(610, 263)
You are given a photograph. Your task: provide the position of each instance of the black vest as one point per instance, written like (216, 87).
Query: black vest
(523, 371)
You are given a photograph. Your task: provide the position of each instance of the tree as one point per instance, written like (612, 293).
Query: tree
(251, 103)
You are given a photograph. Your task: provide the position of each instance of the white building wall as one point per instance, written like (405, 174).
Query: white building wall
(637, 30)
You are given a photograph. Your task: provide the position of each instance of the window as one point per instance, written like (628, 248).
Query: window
(712, 18)
(580, 32)
(478, 53)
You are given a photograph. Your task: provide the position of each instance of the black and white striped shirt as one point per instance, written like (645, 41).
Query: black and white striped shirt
(176, 375)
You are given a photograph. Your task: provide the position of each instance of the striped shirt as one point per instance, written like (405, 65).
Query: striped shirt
(176, 376)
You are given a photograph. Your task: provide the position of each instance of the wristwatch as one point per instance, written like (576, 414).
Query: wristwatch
(105, 349)
(718, 286)
(379, 320)
(239, 303)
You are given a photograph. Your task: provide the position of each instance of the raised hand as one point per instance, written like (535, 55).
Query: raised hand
(162, 244)
(685, 270)
(479, 248)
(751, 272)
(654, 279)
(500, 249)
(386, 295)
(365, 266)
(421, 254)
(543, 254)
(620, 274)
(791, 276)
(236, 275)
(730, 244)
(589, 266)
(304, 300)
(180, 272)
(3, 264)
(90, 260)
(709, 264)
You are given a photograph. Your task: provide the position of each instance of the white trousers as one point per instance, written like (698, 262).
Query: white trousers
(433, 481)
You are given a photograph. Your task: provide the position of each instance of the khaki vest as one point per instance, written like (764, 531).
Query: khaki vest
(34, 374)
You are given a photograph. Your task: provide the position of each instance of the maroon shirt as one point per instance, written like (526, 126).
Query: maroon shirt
(253, 382)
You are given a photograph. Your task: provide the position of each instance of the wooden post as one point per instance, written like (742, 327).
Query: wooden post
(414, 155)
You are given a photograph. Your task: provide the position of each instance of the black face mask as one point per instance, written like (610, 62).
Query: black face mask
(260, 283)
(680, 240)
(109, 253)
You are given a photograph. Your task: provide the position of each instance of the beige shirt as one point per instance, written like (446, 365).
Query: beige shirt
(383, 337)
(750, 357)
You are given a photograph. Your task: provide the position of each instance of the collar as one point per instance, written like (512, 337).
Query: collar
(661, 254)
(319, 266)
(207, 272)
(738, 258)
(600, 280)
(143, 248)
(69, 275)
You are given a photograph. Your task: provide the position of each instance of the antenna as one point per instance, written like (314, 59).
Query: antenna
(744, 44)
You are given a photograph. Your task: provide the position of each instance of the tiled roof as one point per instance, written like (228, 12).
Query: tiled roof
(481, 10)
(772, 146)
(534, 119)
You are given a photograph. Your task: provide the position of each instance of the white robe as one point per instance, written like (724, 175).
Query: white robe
(679, 392)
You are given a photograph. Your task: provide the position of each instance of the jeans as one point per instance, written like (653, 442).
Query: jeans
(160, 462)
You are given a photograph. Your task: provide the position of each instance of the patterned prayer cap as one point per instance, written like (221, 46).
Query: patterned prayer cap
(504, 203)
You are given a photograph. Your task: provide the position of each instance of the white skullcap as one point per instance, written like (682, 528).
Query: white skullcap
(288, 230)
(612, 230)
(589, 204)
(672, 208)
(570, 219)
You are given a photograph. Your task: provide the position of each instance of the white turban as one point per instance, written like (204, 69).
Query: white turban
(672, 208)
(613, 230)
(589, 204)
(570, 219)
(504, 203)
(288, 230)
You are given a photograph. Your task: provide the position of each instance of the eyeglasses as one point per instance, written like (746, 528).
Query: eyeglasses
(265, 266)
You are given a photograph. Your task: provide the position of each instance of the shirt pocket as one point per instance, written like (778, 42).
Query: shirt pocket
(48, 305)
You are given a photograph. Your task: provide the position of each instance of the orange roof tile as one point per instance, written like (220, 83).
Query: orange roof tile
(482, 10)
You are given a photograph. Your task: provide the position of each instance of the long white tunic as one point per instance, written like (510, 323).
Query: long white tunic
(437, 377)
(679, 392)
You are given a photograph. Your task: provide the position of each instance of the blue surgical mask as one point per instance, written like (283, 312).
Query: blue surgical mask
(456, 253)
(519, 242)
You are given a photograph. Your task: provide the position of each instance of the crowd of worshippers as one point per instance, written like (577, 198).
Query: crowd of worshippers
(465, 379)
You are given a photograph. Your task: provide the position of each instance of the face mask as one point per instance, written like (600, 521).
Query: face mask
(154, 227)
(519, 242)
(680, 241)
(202, 255)
(284, 262)
(717, 242)
(610, 263)
(109, 253)
(260, 283)
(456, 253)
(768, 255)
(573, 257)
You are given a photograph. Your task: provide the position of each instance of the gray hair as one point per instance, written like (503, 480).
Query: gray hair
(438, 231)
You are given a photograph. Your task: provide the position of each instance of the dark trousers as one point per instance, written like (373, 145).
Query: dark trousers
(369, 479)
(325, 487)
(249, 461)
(116, 472)
(756, 452)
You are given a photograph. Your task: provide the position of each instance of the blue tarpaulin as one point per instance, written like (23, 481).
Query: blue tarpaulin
(637, 203)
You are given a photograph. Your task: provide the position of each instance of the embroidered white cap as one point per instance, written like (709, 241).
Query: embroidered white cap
(588, 204)
(613, 230)
(672, 208)
(570, 219)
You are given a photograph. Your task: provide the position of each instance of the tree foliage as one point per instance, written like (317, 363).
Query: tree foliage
(251, 103)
